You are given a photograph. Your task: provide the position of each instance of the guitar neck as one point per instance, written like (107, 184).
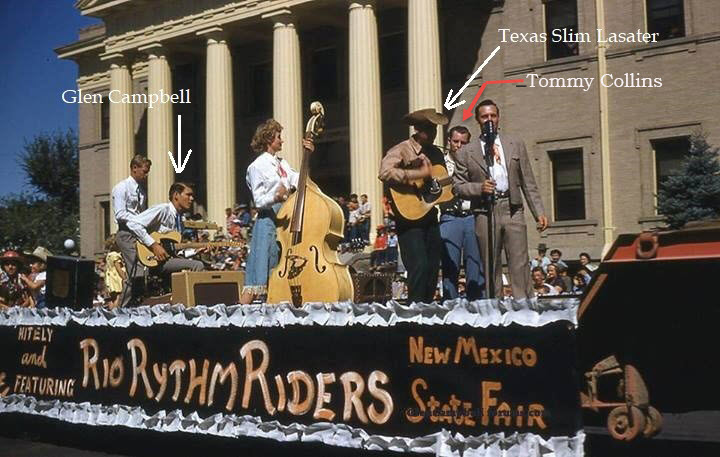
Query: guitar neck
(209, 244)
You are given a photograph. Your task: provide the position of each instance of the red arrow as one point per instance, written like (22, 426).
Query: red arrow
(467, 112)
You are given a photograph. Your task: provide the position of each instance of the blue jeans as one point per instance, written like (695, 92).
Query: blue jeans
(365, 230)
(263, 255)
(458, 235)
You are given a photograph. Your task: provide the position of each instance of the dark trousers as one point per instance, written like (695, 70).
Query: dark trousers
(132, 286)
(420, 248)
(365, 229)
(391, 254)
(377, 257)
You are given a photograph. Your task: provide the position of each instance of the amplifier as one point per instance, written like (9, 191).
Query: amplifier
(70, 282)
(372, 287)
(207, 287)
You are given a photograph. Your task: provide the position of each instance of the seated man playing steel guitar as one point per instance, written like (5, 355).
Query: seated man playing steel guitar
(165, 217)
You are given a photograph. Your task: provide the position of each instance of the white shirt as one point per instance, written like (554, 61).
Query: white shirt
(128, 199)
(499, 171)
(42, 276)
(160, 218)
(392, 241)
(354, 216)
(365, 208)
(264, 176)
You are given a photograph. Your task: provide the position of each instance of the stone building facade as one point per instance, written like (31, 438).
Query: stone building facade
(598, 152)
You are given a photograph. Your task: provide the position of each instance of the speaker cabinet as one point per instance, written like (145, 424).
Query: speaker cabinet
(192, 288)
(372, 287)
(70, 282)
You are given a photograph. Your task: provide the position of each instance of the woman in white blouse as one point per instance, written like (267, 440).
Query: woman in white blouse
(270, 179)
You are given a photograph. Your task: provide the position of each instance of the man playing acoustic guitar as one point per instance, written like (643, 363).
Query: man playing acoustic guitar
(165, 217)
(419, 239)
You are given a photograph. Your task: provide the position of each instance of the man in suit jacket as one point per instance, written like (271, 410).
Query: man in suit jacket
(511, 176)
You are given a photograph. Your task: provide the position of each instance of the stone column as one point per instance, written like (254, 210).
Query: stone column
(159, 126)
(365, 114)
(220, 129)
(122, 139)
(287, 91)
(424, 76)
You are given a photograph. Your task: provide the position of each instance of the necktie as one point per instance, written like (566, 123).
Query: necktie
(498, 157)
(280, 170)
(141, 204)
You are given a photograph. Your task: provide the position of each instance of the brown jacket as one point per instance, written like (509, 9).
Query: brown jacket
(471, 170)
(400, 163)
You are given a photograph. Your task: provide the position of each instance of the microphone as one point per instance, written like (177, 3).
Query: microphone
(489, 132)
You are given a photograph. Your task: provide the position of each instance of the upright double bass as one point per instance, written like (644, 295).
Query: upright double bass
(309, 229)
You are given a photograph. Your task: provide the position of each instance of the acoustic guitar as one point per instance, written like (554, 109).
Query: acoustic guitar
(170, 241)
(414, 200)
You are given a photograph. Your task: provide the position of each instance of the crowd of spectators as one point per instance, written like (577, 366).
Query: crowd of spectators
(551, 275)
(22, 276)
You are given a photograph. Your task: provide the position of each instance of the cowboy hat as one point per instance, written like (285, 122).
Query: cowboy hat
(11, 256)
(40, 253)
(425, 116)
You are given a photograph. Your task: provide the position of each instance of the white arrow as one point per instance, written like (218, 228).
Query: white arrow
(179, 169)
(449, 101)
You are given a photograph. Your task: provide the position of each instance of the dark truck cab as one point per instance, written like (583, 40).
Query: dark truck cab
(649, 337)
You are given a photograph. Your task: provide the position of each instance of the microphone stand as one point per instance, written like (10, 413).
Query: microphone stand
(489, 137)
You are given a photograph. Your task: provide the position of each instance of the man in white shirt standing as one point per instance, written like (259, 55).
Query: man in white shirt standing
(165, 217)
(129, 198)
(509, 179)
(364, 209)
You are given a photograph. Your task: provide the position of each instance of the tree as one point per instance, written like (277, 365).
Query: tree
(52, 167)
(27, 222)
(694, 192)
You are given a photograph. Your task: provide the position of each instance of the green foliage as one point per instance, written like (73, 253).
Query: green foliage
(26, 221)
(51, 164)
(694, 192)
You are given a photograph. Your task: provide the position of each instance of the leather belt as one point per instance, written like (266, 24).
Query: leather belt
(505, 194)
(457, 213)
(266, 213)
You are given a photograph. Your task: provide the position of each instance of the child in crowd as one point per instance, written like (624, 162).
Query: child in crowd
(38, 276)
(377, 257)
(115, 273)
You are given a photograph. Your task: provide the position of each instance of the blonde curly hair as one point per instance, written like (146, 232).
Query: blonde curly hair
(264, 135)
(111, 244)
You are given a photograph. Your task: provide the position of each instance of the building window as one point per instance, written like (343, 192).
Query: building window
(568, 184)
(393, 61)
(105, 119)
(261, 88)
(324, 74)
(459, 59)
(669, 155)
(561, 24)
(105, 219)
(666, 18)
